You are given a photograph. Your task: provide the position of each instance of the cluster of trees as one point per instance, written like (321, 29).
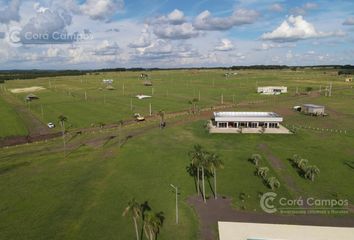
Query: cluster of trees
(308, 172)
(203, 165)
(272, 182)
(346, 72)
(144, 218)
(33, 74)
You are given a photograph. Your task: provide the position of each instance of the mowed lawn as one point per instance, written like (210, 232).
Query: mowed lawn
(171, 91)
(82, 196)
(45, 196)
(10, 122)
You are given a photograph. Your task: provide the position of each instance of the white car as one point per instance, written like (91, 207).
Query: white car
(51, 125)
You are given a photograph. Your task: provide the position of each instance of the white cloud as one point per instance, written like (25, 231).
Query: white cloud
(349, 21)
(276, 7)
(176, 17)
(205, 20)
(294, 29)
(304, 8)
(144, 40)
(10, 12)
(102, 9)
(183, 31)
(47, 27)
(224, 45)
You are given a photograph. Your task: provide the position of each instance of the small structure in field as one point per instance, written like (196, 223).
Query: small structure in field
(312, 109)
(31, 97)
(349, 79)
(107, 81)
(110, 87)
(247, 122)
(146, 78)
(147, 83)
(141, 97)
(272, 90)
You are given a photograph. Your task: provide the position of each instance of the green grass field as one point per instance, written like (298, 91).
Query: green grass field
(82, 196)
(10, 122)
(171, 91)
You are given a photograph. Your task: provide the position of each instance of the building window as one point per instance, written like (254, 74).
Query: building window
(273, 125)
(222, 125)
(252, 125)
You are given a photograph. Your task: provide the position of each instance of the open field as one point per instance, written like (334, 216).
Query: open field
(82, 196)
(10, 122)
(171, 91)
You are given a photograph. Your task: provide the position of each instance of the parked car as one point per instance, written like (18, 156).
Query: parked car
(51, 125)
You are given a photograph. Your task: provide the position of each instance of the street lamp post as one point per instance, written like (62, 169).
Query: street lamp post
(176, 190)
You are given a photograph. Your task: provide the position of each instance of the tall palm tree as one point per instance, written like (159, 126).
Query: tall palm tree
(194, 102)
(215, 163)
(262, 172)
(152, 224)
(134, 210)
(312, 172)
(204, 165)
(301, 163)
(256, 158)
(273, 183)
(196, 156)
(161, 113)
(120, 123)
(62, 120)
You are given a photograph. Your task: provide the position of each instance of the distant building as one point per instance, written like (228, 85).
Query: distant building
(107, 81)
(247, 122)
(313, 109)
(272, 90)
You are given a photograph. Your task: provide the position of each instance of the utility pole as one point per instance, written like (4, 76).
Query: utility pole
(42, 112)
(176, 191)
(330, 89)
(150, 109)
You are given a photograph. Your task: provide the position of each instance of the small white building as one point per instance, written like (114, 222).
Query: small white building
(272, 90)
(313, 109)
(107, 81)
(247, 122)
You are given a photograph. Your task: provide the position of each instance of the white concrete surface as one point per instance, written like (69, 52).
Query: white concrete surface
(257, 231)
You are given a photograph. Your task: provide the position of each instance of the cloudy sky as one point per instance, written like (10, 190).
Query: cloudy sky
(84, 34)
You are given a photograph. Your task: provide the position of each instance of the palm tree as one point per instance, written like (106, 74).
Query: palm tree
(256, 158)
(194, 102)
(262, 172)
(311, 172)
(120, 122)
(162, 117)
(134, 210)
(152, 224)
(204, 165)
(196, 156)
(301, 163)
(62, 119)
(273, 183)
(296, 158)
(215, 163)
